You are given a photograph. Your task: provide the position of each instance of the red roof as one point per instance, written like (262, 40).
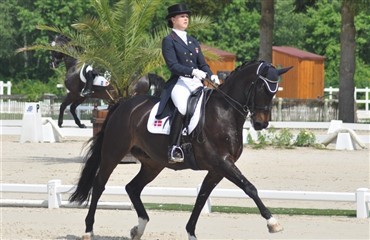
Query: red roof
(297, 53)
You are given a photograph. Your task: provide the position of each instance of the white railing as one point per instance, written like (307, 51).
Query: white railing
(295, 113)
(8, 86)
(17, 107)
(366, 101)
(54, 190)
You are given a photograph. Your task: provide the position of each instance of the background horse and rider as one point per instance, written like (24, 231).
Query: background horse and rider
(247, 92)
(150, 83)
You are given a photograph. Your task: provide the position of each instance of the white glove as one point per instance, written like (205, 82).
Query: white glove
(199, 74)
(214, 78)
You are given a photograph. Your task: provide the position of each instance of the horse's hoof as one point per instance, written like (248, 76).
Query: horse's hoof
(192, 237)
(82, 126)
(134, 233)
(87, 236)
(274, 226)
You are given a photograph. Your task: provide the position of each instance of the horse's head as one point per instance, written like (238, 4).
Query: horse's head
(261, 93)
(56, 56)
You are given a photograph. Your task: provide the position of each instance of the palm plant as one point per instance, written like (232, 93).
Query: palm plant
(118, 39)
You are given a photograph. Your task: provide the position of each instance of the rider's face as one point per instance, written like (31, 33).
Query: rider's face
(180, 21)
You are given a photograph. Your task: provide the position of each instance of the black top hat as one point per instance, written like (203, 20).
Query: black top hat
(177, 9)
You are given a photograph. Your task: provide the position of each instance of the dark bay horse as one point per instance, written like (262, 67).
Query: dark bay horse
(74, 84)
(248, 91)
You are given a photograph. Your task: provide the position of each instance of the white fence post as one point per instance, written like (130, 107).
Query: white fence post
(54, 198)
(362, 209)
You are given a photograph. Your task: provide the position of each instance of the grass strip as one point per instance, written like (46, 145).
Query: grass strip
(250, 210)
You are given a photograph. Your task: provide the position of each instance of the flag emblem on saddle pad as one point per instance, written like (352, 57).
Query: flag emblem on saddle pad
(158, 123)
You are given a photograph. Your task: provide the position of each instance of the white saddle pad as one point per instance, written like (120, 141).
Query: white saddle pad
(162, 126)
(98, 80)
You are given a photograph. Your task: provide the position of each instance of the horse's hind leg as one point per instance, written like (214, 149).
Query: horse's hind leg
(232, 173)
(134, 189)
(73, 112)
(67, 100)
(209, 183)
(98, 187)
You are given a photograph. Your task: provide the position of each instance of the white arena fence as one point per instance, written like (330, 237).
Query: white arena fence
(54, 190)
(362, 100)
(316, 110)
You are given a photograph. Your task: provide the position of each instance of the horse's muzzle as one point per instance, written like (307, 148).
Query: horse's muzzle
(260, 120)
(259, 125)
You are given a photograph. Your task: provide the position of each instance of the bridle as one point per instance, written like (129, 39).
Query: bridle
(248, 109)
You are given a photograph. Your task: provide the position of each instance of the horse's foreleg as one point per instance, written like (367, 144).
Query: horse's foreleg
(232, 173)
(133, 189)
(209, 183)
(73, 112)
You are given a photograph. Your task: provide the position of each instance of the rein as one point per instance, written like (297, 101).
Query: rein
(235, 104)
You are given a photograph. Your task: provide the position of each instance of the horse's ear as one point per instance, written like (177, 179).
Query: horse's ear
(284, 70)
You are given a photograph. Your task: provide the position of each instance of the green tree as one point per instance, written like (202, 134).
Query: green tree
(362, 73)
(236, 29)
(347, 62)
(18, 29)
(290, 27)
(207, 8)
(323, 37)
(117, 39)
(266, 29)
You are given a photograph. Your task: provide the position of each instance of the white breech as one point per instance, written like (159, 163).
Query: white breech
(181, 92)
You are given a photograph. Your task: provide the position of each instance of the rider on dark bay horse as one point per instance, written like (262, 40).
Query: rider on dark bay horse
(90, 74)
(188, 67)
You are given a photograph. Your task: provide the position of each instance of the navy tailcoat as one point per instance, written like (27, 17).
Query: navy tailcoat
(181, 59)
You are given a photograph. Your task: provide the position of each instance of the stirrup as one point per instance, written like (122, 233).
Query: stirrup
(176, 154)
(86, 93)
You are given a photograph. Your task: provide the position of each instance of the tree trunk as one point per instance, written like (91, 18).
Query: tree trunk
(266, 30)
(347, 65)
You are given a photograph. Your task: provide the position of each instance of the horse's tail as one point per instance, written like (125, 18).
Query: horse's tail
(92, 162)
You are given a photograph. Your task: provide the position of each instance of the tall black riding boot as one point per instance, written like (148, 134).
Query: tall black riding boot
(175, 153)
(87, 90)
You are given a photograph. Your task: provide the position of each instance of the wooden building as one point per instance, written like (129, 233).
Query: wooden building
(306, 79)
(225, 62)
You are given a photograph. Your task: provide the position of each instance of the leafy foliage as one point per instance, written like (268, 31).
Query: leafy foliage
(117, 39)
(283, 34)
(305, 139)
(19, 29)
(283, 139)
(235, 28)
(35, 89)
